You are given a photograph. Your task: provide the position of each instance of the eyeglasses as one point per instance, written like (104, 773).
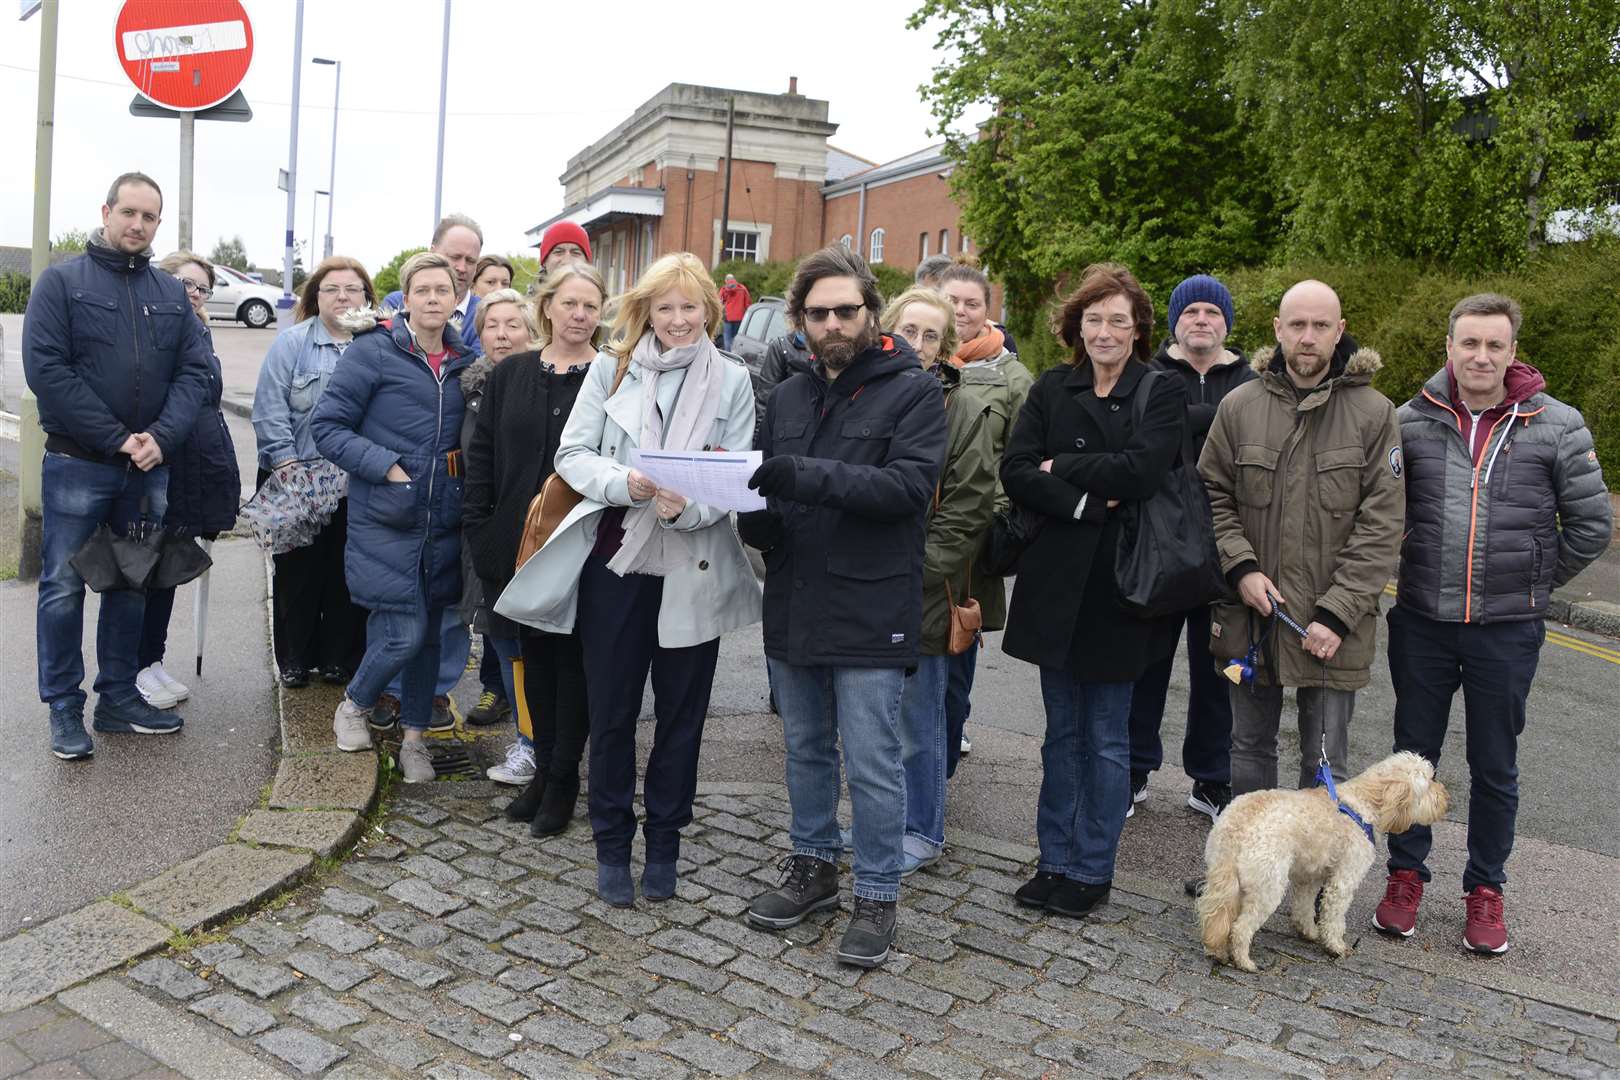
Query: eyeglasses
(342, 290)
(927, 337)
(192, 287)
(1115, 322)
(845, 312)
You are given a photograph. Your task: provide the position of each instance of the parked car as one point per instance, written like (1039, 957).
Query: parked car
(237, 296)
(765, 319)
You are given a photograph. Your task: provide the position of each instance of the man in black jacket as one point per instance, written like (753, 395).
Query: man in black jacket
(1200, 319)
(120, 366)
(852, 455)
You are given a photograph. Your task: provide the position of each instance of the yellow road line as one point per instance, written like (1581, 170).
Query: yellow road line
(1600, 652)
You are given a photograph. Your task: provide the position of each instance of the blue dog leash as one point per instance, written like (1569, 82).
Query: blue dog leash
(1324, 777)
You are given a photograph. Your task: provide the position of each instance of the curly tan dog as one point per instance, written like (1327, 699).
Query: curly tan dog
(1266, 841)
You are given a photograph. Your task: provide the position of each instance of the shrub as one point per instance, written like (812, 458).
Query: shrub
(773, 278)
(386, 280)
(14, 290)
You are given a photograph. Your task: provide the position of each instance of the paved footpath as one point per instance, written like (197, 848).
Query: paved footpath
(453, 946)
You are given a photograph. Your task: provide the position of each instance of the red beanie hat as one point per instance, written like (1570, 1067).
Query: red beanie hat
(564, 232)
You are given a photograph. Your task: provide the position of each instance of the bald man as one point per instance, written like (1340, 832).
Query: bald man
(1304, 474)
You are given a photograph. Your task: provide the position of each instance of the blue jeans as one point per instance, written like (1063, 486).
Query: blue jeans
(958, 703)
(506, 650)
(922, 738)
(729, 334)
(79, 496)
(1085, 776)
(406, 644)
(861, 706)
(455, 644)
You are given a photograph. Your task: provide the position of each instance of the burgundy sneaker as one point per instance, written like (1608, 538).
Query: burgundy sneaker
(1486, 929)
(1397, 912)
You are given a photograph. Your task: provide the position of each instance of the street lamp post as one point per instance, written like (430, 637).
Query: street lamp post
(315, 201)
(331, 182)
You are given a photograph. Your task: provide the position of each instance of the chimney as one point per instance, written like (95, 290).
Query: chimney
(793, 84)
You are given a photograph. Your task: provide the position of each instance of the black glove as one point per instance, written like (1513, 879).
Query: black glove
(775, 478)
(761, 529)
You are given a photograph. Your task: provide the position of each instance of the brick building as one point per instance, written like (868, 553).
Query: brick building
(655, 183)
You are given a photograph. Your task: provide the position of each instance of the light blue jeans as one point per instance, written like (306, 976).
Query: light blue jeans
(1085, 776)
(455, 645)
(861, 706)
(922, 735)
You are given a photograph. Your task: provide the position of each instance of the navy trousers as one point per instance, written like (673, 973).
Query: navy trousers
(1206, 750)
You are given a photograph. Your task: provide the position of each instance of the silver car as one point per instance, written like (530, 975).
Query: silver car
(237, 296)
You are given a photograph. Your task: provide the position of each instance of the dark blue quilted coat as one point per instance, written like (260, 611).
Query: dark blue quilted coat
(384, 406)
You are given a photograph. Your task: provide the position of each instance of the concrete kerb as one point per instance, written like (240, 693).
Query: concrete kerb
(315, 808)
(1597, 616)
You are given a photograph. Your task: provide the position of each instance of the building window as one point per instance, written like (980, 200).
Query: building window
(848, 241)
(741, 245)
(945, 241)
(922, 244)
(875, 252)
(965, 245)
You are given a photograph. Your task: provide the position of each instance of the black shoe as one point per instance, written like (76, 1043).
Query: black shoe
(1209, 798)
(335, 675)
(1038, 890)
(492, 708)
(1076, 899)
(385, 714)
(294, 677)
(808, 885)
(134, 717)
(443, 717)
(870, 934)
(556, 807)
(527, 804)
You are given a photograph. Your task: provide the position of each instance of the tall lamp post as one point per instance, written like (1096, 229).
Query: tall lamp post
(331, 181)
(314, 202)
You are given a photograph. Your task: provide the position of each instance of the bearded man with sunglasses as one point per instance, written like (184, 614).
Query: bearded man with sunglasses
(852, 453)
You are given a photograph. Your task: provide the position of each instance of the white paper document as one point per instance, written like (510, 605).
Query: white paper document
(714, 477)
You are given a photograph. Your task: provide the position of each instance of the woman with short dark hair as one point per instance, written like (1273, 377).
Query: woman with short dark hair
(1086, 443)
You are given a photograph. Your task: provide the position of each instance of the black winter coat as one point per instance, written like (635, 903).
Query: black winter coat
(786, 355)
(1204, 392)
(1065, 609)
(844, 551)
(520, 421)
(205, 487)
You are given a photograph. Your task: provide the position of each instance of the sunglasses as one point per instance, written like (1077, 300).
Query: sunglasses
(845, 312)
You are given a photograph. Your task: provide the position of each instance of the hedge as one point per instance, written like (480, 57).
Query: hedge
(772, 278)
(1399, 307)
(14, 291)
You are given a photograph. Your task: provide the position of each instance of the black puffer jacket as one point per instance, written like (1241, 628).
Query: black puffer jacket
(785, 355)
(509, 455)
(205, 486)
(844, 551)
(1489, 543)
(1204, 391)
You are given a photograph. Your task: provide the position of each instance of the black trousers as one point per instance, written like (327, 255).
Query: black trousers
(1206, 750)
(554, 688)
(1494, 664)
(316, 624)
(618, 629)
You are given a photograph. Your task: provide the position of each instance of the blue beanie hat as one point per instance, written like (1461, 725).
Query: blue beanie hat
(1200, 288)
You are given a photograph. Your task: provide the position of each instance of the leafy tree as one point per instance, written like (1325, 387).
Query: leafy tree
(525, 271)
(231, 253)
(72, 240)
(387, 279)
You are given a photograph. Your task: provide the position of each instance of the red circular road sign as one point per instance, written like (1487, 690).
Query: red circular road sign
(186, 55)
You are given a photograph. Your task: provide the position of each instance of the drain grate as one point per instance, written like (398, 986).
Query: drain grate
(454, 759)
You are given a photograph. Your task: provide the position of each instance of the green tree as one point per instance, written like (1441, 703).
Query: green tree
(1113, 138)
(72, 240)
(231, 253)
(525, 271)
(387, 279)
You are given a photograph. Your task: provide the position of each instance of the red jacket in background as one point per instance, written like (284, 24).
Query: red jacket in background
(736, 300)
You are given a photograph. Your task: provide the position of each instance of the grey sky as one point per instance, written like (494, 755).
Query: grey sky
(529, 86)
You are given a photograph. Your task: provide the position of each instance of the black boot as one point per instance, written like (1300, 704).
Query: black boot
(556, 807)
(523, 807)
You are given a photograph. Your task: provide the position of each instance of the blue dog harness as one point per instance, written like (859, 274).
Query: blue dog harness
(1324, 777)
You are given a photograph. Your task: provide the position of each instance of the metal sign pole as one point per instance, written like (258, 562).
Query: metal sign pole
(284, 312)
(188, 157)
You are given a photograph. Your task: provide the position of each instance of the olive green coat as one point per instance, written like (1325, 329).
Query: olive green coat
(958, 521)
(1003, 383)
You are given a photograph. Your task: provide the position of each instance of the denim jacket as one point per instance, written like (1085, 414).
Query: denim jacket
(291, 380)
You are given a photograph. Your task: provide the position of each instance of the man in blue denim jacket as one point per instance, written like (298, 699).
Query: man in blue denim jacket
(120, 366)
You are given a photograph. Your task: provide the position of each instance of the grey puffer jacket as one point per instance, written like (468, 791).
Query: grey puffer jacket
(1490, 543)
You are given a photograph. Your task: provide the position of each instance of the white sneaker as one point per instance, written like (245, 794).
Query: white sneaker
(517, 769)
(153, 689)
(179, 689)
(966, 746)
(350, 725)
(415, 761)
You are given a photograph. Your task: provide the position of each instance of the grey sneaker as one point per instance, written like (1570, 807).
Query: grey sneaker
(351, 725)
(870, 934)
(415, 762)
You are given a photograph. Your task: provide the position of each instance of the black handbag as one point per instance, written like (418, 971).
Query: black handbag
(1166, 561)
(1011, 534)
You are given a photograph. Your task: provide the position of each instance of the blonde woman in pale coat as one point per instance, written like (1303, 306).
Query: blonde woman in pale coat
(649, 578)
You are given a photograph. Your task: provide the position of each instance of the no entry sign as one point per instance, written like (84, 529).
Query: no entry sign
(185, 55)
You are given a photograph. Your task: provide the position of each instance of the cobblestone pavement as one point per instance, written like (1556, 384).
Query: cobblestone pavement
(453, 946)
